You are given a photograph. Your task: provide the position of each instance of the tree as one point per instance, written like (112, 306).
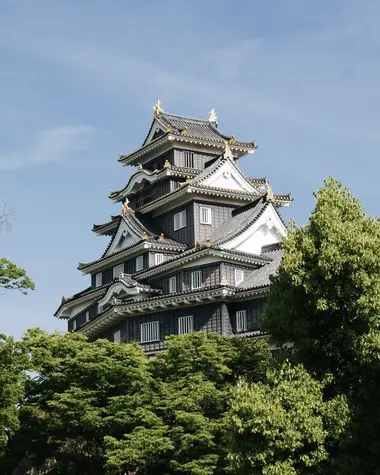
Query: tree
(282, 426)
(326, 300)
(192, 381)
(11, 276)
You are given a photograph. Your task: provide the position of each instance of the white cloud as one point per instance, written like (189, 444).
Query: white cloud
(50, 145)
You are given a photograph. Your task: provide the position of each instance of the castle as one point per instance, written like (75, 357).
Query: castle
(193, 247)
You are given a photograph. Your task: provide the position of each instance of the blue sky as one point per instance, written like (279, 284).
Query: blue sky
(79, 80)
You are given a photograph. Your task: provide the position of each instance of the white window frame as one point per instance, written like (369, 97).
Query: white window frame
(158, 258)
(139, 263)
(117, 336)
(87, 316)
(239, 276)
(172, 285)
(98, 279)
(74, 324)
(205, 215)
(185, 325)
(180, 220)
(241, 321)
(117, 270)
(196, 279)
(150, 332)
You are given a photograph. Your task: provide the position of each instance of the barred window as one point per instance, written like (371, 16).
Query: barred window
(185, 325)
(139, 263)
(98, 279)
(180, 220)
(241, 320)
(150, 332)
(158, 258)
(239, 276)
(117, 336)
(172, 285)
(196, 279)
(74, 324)
(205, 215)
(87, 316)
(189, 159)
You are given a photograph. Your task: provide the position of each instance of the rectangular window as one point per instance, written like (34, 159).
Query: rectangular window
(239, 276)
(189, 159)
(185, 325)
(241, 320)
(180, 220)
(117, 336)
(158, 259)
(117, 270)
(98, 279)
(74, 324)
(139, 263)
(205, 215)
(87, 316)
(196, 279)
(172, 285)
(150, 332)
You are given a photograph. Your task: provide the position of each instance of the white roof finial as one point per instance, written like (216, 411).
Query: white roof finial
(212, 117)
(227, 151)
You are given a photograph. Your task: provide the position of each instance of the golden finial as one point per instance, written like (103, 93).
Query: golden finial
(121, 275)
(212, 117)
(157, 108)
(197, 246)
(208, 243)
(162, 237)
(144, 236)
(227, 151)
(113, 301)
(167, 164)
(125, 208)
(232, 140)
(270, 195)
(185, 132)
(188, 180)
(169, 128)
(139, 166)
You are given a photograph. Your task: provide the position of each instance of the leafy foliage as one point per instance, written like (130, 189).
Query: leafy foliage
(14, 278)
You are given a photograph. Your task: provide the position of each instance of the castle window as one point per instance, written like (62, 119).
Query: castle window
(139, 263)
(241, 320)
(117, 336)
(74, 324)
(189, 159)
(205, 215)
(87, 316)
(150, 332)
(185, 325)
(239, 276)
(196, 279)
(98, 280)
(158, 259)
(117, 270)
(180, 220)
(172, 285)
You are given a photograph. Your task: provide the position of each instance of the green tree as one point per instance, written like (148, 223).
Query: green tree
(282, 427)
(192, 381)
(14, 278)
(12, 366)
(326, 300)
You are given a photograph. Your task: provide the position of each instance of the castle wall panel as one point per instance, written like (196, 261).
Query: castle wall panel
(219, 214)
(254, 308)
(185, 234)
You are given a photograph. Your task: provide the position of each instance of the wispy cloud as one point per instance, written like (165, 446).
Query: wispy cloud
(50, 145)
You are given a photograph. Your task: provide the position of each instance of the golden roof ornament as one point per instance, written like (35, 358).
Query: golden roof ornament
(162, 237)
(227, 151)
(185, 132)
(144, 236)
(157, 109)
(121, 275)
(197, 246)
(232, 140)
(213, 117)
(167, 164)
(139, 166)
(208, 243)
(169, 128)
(125, 208)
(188, 180)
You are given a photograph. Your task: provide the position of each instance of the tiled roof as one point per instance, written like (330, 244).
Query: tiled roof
(107, 228)
(240, 220)
(261, 277)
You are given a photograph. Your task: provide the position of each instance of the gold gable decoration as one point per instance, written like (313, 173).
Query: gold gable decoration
(208, 243)
(185, 132)
(270, 195)
(162, 237)
(157, 109)
(167, 164)
(144, 236)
